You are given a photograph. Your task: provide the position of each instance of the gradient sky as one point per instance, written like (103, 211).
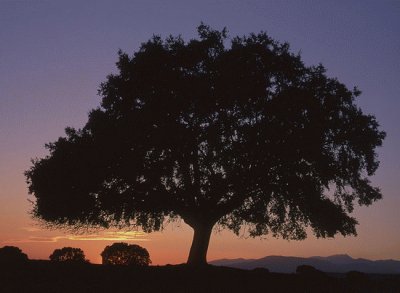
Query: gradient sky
(54, 55)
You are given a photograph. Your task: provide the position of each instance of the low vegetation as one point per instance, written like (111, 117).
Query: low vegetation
(81, 276)
(46, 276)
(68, 254)
(125, 254)
(12, 255)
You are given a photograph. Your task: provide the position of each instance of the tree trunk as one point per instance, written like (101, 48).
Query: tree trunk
(198, 250)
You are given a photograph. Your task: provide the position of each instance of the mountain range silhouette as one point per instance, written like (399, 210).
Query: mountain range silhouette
(340, 263)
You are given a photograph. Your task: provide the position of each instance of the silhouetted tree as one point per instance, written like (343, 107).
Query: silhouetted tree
(125, 254)
(239, 135)
(357, 277)
(68, 254)
(12, 255)
(307, 270)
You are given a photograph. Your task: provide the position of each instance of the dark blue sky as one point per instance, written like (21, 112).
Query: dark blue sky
(54, 55)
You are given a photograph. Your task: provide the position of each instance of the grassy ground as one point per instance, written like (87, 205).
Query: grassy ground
(43, 276)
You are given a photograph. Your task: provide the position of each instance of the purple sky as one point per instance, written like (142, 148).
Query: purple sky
(54, 55)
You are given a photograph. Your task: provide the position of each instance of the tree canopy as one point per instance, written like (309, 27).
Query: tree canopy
(125, 254)
(237, 132)
(12, 255)
(68, 254)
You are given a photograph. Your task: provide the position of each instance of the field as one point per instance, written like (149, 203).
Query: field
(44, 276)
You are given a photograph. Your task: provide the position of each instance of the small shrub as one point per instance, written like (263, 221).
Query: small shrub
(68, 254)
(357, 277)
(261, 270)
(125, 254)
(307, 270)
(12, 255)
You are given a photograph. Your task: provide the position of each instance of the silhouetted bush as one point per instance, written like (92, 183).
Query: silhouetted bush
(12, 255)
(68, 254)
(355, 276)
(261, 270)
(125, 254)
(307, 270)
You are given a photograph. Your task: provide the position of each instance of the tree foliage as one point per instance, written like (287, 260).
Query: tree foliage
(68, 254)
(12, 255)
(242, 135)
(125, 254)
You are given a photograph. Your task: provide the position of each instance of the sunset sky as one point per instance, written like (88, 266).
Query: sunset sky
(54, 55)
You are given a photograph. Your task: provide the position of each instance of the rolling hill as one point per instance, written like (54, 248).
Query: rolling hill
(341, 263)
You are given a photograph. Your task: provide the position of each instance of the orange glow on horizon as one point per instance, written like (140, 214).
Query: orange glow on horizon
(172, 245)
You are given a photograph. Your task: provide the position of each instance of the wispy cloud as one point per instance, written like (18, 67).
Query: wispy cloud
(103, 236)
(31, 229)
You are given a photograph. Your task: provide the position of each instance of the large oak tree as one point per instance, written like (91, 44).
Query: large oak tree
(235, 132)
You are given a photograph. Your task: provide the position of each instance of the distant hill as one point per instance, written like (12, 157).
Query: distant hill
(341, 263)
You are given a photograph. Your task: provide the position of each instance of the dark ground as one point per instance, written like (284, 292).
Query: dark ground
(43, 276)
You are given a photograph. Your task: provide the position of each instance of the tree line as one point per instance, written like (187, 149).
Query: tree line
(116, 254)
